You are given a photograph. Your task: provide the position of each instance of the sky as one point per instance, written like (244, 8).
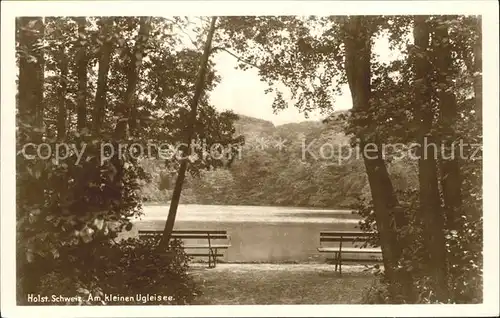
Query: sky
(243, 92)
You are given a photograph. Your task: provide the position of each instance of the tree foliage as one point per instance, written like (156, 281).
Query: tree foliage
(80, 79)
(430, 91)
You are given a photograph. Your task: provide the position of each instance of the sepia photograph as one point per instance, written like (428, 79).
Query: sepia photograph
(154, 158)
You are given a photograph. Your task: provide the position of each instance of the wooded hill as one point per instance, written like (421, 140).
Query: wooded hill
(296, 175)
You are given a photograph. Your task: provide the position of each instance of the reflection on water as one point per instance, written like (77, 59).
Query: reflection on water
(222, 213)
(347, 215)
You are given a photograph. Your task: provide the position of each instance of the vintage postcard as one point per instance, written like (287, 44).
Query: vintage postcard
(249, 158)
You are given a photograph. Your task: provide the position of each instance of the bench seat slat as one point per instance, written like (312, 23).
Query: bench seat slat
(204, 255)
(201, 232)
(349, 250)
(206, 246)
(343, 239)
(187, 236)
(371, 259)
(345, 233)
(176, 235)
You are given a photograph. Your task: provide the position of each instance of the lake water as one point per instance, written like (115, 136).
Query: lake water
(232, 213)
(258, 234)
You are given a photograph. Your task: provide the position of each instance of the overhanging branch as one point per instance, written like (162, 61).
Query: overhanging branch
(236, 56)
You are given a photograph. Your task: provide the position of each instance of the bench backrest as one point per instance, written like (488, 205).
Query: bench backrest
(188, 234)
(343, 236)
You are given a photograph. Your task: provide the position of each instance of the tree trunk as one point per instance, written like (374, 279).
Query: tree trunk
(62, 112)
(431, 214)
(478, 70)
(81, 71)
(388, 216)
(200, 81)
(102, 75)
(126, 110)
(449, 165)
(123, 112)
(31, 68)
(30, 123)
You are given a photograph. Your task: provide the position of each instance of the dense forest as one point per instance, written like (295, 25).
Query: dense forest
(280, 166)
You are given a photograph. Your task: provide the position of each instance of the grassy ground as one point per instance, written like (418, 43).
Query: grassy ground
(262, 284)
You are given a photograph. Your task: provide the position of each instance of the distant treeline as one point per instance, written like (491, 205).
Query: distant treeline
(279, 165)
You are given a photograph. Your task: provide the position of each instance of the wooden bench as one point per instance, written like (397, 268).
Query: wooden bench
(342, 237)
(213, 250)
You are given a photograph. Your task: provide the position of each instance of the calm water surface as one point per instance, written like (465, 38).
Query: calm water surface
(231, 213)
(258, 234)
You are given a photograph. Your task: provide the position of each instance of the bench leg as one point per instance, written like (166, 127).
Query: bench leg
(215, 258)
(212, 259)
(340, 263)
(336, 259)
(209, 258)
